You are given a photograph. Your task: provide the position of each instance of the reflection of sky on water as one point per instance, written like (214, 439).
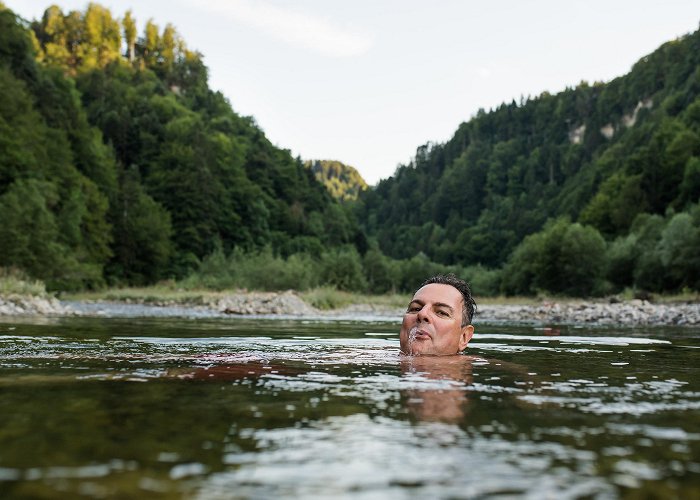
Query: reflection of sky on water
(360, 456)
(524, 415)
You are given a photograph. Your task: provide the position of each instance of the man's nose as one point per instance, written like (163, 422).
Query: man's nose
(422, 314)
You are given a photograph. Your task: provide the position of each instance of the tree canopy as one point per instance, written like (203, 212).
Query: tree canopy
(600, 156)
(119, 165)
(132, 168)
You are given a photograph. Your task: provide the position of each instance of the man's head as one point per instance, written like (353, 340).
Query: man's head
(438, 319)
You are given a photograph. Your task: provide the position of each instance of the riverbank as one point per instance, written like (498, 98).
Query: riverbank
(293, 304)
(32, 305)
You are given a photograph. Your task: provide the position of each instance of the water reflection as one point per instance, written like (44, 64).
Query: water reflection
(310, 410)
(448, 401)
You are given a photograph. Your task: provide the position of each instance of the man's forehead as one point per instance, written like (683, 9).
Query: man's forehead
(438, 292)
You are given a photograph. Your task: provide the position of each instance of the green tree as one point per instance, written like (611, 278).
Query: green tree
(142, 234)
(380, 272)
(102, 42)
(678, 250)
(150, 44)
(168, 47)
(29, 232)
(689, 191)
(129, 25)
(342, 268)
(563, 258)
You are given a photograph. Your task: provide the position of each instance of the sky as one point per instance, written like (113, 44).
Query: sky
(366, 82)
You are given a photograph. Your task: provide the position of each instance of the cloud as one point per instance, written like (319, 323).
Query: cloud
(296, 28)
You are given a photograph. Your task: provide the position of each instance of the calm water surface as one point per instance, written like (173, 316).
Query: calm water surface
(242, 408)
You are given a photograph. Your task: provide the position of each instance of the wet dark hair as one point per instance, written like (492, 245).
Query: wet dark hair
(469, 306)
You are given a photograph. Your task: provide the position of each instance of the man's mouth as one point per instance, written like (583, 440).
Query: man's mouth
(422, 335)
(418, 334)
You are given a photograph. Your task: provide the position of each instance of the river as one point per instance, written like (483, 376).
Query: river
(208, 408)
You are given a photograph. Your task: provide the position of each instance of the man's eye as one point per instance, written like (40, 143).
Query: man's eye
(413, 309)
(442, 313)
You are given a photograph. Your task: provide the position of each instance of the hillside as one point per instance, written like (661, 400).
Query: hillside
(120, 166)
(342, 181)
(615, 160)
(124, 167)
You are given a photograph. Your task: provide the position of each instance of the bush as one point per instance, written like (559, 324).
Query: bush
(13, 280)
(523, 267)
(380, 271)
(678, 250)
(483, 281)
(254, 271)
(342, 268)
(563, 258)
(621, 258)
(581, 261)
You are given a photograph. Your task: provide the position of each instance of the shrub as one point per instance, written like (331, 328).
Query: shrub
(483, 281)
(342, 268)
(563, 258)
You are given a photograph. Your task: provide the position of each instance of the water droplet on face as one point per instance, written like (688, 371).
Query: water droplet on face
(412, 338)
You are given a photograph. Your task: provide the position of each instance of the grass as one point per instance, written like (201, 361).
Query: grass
(14, 281)
(147, 295)
(323, 298)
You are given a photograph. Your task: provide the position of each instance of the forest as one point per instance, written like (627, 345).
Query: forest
(120, 166)
(342, 181)
(588, 192)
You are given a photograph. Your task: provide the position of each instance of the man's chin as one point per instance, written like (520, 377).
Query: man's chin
(418, 349)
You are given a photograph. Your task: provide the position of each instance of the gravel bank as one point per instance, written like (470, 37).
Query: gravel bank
(633, 312)
(286, 304)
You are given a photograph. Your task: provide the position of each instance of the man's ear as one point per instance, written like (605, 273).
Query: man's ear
(465, 336)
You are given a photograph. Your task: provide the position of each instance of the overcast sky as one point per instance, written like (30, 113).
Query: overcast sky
(368, 81)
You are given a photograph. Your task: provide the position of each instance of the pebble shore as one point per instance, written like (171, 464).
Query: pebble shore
(633, 312)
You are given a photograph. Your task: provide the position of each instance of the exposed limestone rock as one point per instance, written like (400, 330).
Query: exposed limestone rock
(27, 305)
(630, 119)
(608, 131)
(264, 303)
(576, 135)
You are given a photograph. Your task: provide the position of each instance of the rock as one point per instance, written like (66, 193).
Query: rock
(635, 312)
(30, 305)
(286, 303)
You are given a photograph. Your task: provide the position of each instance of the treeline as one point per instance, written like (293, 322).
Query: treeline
(118, 165)
(342, 181)
(344, 268)
(577, 193)
(565, 258)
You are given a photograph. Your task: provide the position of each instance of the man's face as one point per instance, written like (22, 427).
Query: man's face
(433, 322)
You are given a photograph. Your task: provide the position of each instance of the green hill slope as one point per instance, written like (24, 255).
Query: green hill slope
(607, 156)
(342, 181)
(126, 167)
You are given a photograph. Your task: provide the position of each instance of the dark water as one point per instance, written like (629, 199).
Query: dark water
(240, 408)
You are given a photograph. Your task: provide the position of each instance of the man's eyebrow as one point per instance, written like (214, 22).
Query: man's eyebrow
(442, 304)
(436, 304)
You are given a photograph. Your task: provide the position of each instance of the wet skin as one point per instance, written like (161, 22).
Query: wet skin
(432, 324)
